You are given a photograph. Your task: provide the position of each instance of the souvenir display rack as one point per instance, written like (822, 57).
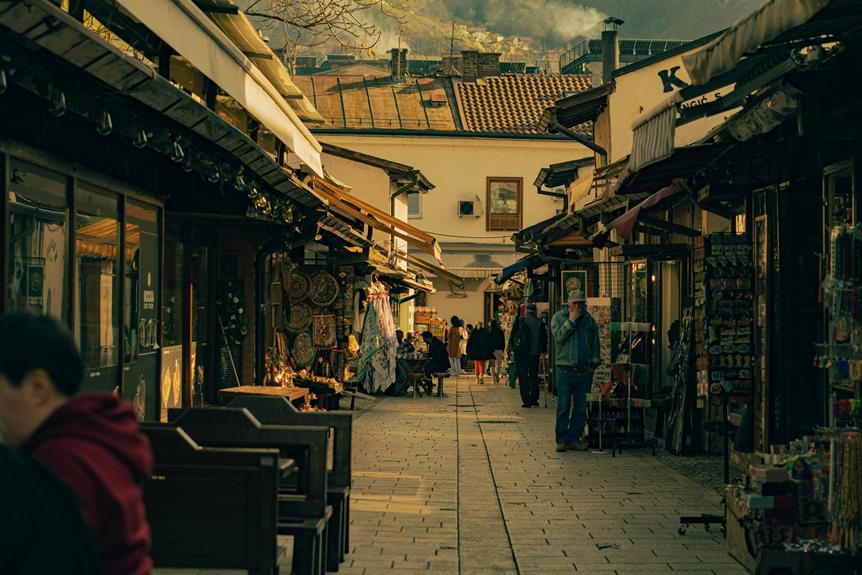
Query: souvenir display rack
(617, 411)
(723, 321)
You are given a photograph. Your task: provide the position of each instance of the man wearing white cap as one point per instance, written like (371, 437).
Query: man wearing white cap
(578, 354)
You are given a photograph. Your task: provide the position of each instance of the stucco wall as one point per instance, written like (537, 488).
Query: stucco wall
(639, 91)
(458, 167)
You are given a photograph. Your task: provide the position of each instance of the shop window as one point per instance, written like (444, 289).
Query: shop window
(39, 234)
(505, 204)
(141, 280)
(414, 205)
(96, 244)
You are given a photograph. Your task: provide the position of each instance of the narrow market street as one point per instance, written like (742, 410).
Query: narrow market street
(471, 484)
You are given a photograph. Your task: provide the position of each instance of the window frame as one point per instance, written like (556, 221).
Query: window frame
(418, 215)
(488, 215)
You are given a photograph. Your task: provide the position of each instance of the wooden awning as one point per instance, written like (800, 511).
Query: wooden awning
(377, 218)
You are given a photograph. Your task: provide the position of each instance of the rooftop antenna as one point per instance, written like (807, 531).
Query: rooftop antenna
(452, 49)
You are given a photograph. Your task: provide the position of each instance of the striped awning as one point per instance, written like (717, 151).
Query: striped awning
(653, 136)
(762, 25)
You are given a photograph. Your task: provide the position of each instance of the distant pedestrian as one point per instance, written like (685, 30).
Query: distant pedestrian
(453, 345)
(479, 349)
(91, 441)
(498, 347)
(578, 354)
(527, 342)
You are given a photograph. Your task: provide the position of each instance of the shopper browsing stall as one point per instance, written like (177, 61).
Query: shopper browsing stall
(578, 354)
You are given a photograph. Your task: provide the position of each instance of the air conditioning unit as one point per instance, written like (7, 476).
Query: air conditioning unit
(469, 208)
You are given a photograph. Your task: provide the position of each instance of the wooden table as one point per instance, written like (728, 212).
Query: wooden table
(291, 393)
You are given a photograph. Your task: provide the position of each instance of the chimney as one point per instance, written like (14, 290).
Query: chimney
(398, 63)
(470, 65)
(610, 48)
(489, 65)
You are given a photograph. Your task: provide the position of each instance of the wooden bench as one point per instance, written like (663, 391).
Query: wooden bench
(278, 411)
(302, 508)
(440, 377)
(193, 521)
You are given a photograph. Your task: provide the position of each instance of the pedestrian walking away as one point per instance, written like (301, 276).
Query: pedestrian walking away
(527, 342)
(453, 345)
(90, 440)
(498, 347)
(479, 350)
(576, 335)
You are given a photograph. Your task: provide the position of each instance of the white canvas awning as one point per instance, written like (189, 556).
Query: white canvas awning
(764, 24)
(194, 36)
(653, 137)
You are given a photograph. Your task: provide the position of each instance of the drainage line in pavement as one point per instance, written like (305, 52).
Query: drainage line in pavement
(496, 491)
(457, 478)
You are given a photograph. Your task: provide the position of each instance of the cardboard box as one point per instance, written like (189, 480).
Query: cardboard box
(768, 474)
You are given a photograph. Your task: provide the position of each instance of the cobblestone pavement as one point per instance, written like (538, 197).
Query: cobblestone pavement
(471, 485)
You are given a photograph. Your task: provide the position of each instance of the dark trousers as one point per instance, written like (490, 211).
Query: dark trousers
(527, 367)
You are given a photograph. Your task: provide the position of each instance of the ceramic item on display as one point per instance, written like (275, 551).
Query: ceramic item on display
(323, 289)
(303, 350)
(323, 331)
(299, 317)
(297, 286)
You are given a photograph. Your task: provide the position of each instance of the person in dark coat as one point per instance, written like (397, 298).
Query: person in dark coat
(439, 359)
(498, 348)
(479, 349)
(39, 512)
(90, 440)
(527, 360)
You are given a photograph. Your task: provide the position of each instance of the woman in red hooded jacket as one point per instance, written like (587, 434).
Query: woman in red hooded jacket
(91, 441)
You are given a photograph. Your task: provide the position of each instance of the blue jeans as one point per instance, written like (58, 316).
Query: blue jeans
(572, 389)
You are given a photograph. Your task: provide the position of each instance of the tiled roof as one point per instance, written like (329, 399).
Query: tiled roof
(508, 104)
(513, 103)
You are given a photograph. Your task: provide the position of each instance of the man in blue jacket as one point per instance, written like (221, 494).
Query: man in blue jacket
(578, 354)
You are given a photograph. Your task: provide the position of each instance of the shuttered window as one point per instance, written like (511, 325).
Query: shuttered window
(505, 204)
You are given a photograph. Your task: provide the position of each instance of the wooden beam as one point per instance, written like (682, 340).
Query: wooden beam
(258, 55)
(217, 9)
(669, 226)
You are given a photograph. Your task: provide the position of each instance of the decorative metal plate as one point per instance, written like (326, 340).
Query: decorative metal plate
(323, 289)
(297, 286)
(299, 317)
(303, 351)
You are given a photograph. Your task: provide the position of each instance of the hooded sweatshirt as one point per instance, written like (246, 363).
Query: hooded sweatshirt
(93, 443)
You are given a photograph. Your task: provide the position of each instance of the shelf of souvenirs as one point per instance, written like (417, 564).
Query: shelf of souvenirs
(287, 377)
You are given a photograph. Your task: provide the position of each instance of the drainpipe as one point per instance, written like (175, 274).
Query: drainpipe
(557, 126)
(260, 304)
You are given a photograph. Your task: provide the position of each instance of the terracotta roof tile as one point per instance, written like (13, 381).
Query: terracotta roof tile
(514, 103)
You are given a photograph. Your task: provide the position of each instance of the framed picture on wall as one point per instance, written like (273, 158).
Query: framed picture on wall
(573, 280)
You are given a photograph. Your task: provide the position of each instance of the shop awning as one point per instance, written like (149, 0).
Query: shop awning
(344, 232)
(764, 24)
(397, 172)
(561, 174)
(428, 267)
(182, 25)
(625, 224)
(377, 218)
(576, 109)
(525, 263)
(45, 25)
(609, 204)
(653, 137)
(236, 25)
(682, 163)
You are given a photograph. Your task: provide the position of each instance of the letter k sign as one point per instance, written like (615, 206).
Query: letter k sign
(669, 79)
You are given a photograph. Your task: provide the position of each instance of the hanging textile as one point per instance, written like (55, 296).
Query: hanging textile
(377, 365)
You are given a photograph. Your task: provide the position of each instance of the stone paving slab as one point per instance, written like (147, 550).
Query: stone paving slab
(470, 484)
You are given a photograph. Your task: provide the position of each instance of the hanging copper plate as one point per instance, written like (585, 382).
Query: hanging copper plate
(303, 350)
(297, 286)
(323, 289)
(299, 317)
